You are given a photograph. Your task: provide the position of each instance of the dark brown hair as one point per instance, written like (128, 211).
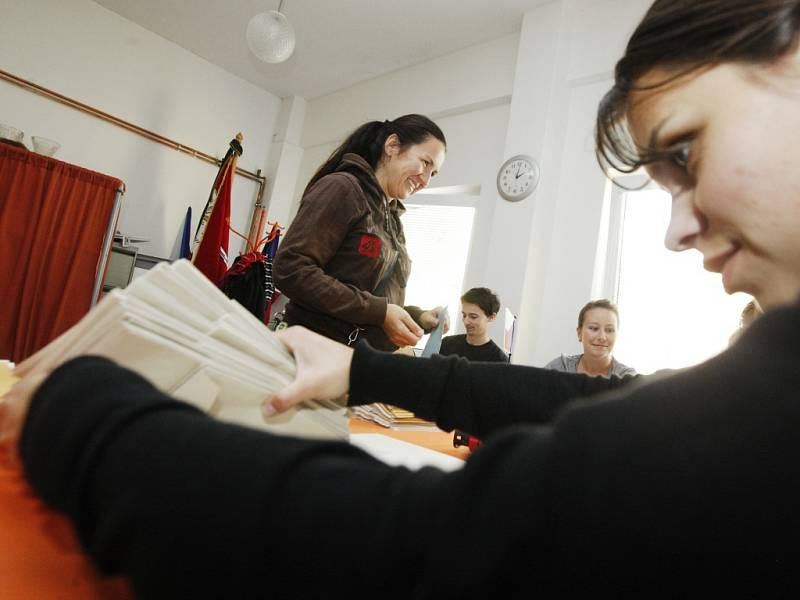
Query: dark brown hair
(484, 298)
(602, 303)
(368, 140)
(687, 35)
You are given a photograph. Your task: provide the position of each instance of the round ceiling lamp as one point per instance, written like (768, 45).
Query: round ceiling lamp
(270, 36)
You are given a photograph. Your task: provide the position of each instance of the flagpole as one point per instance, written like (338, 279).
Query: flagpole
(256, 226)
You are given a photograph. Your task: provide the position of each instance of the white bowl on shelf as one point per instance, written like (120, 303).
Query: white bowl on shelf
(7, 132)
(44, 146)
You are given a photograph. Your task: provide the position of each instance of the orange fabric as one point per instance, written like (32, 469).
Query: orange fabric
(39, 554)
(53, 217)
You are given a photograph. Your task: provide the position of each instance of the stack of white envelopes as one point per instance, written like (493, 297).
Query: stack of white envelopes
(175, 328)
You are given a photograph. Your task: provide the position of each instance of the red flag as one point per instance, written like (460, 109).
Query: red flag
(211, 240)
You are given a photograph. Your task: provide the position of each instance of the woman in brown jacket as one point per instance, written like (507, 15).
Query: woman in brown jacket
(343, 263)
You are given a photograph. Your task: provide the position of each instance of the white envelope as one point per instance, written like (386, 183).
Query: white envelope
(185, 336)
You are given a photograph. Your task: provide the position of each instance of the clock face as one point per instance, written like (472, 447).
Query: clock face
(518, 177)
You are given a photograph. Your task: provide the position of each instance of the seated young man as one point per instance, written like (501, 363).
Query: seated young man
(479, 307)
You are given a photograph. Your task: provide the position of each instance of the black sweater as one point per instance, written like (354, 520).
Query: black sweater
(457, 345)
(665, 487)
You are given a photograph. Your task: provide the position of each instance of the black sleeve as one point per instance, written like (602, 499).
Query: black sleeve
(415, 312)
(190, 507)
(474, 397)
(500, 355)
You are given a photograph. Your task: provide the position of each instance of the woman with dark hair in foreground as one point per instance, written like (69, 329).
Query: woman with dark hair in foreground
(665, 487)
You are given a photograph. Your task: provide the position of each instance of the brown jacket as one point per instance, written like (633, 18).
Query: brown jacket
(344, 257)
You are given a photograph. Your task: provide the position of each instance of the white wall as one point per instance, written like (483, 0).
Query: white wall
(477, 75)
(474, 81)
(475, 142)
(285, 158)
(83, 51)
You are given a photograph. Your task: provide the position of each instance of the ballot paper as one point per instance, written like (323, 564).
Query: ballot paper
(434, 343)
(179, 331)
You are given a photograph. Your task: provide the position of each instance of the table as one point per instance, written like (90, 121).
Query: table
(439, 441)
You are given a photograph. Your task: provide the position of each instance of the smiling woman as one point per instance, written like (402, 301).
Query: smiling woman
(598, 322)
(343, 262)
(732, 198)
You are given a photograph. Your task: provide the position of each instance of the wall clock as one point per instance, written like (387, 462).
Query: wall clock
(518, 177)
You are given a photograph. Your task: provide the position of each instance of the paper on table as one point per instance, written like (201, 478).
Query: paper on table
(399, 453)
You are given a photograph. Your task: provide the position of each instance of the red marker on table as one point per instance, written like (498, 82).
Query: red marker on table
(464, 439)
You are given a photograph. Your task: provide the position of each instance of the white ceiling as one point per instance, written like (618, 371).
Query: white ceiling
(339, 42)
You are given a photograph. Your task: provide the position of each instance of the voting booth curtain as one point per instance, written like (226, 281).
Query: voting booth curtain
(53, 219)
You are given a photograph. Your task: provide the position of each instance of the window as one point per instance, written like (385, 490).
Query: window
(672, 312)
(438, 240)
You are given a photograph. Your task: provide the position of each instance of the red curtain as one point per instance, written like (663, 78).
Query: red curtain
(53, 217)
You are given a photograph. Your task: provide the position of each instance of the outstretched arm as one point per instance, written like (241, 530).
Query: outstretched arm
(475, 397)
(457, 394)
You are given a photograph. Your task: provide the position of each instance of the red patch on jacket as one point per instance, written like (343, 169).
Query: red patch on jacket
(370, 246)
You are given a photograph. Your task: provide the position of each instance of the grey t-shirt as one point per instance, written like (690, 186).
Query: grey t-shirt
(569, 364)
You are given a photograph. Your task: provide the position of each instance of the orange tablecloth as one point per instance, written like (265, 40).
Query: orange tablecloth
(40, 556)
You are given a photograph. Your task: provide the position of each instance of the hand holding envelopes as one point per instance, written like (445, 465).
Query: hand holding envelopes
(179, 331)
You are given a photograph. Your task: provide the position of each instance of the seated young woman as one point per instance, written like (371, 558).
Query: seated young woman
(598, 323)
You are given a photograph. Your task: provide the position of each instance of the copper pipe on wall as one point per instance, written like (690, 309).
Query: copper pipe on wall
(42, 91)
